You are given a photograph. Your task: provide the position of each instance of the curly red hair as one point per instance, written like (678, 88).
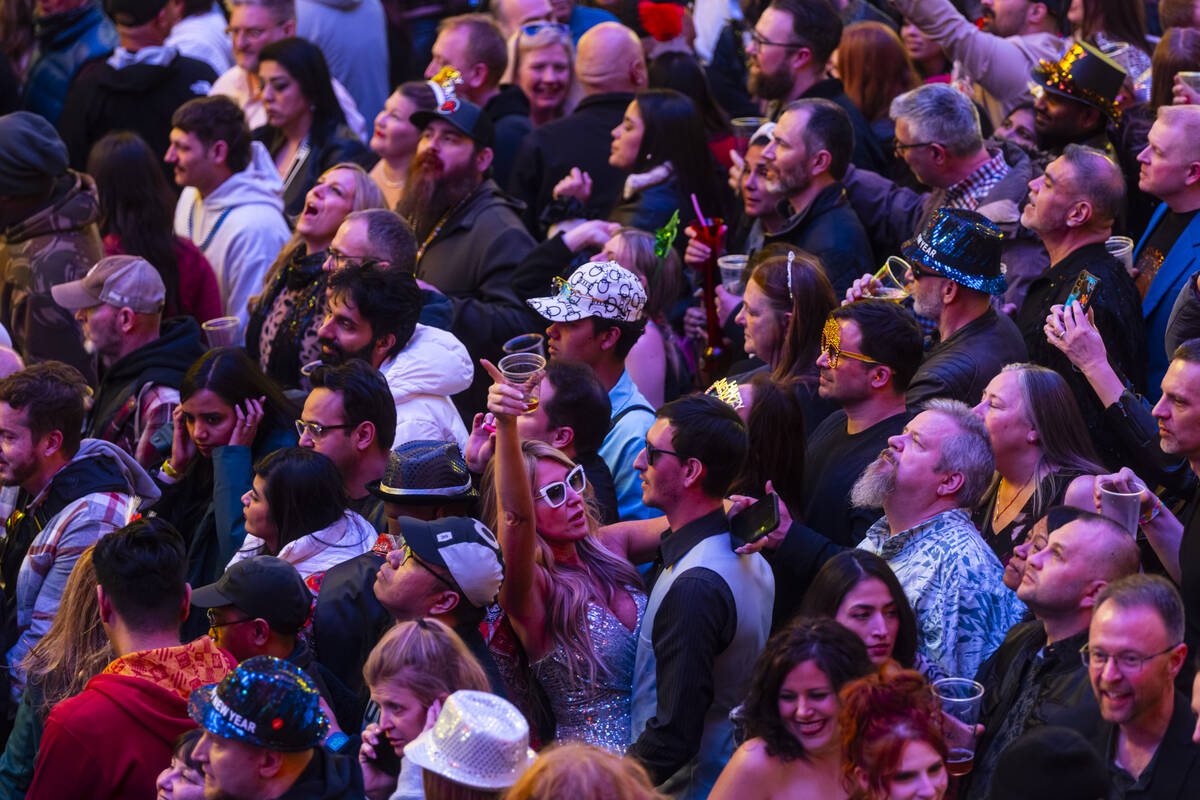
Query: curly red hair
(881, 714)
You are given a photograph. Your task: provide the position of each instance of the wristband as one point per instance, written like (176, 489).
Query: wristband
(336, 741)
(1152, 513)
(170, 471)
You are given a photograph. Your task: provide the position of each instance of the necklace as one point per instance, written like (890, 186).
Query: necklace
(437, 228)
(386, 173)
(1015, 497)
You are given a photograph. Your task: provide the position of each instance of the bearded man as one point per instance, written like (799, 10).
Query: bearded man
(925, 482)
(470, 237)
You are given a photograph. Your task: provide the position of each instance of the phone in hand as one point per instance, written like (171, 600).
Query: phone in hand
(386, 759)
(755, 522)
(1084, 290)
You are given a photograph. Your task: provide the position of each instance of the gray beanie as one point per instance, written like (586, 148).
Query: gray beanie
(31, 154)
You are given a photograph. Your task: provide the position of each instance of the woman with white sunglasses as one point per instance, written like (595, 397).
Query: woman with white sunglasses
(570, 591)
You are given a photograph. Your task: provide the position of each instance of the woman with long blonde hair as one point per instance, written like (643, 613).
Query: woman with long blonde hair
(571, 593)
(284, 318)
(72, 652)
(541, 61)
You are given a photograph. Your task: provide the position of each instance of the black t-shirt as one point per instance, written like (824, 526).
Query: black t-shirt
(833, 462)
(1159, 243)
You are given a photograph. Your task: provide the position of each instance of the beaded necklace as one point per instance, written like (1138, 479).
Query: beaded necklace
(437, 228)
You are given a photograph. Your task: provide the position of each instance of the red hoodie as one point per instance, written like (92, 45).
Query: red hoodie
(114, 738)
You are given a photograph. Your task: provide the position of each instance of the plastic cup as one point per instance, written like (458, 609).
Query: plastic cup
(1124, 508)
(891, 277)
(1121, 247)
(524, 370)
(743, 131)
(222, 332)
(1191, 79)
(732, 268)
(961, 700)
(710, 234)
(525, 343)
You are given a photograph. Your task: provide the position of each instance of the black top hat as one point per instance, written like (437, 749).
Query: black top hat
(424, 472)
(1084, 74)
(457, 111)
(960, 245)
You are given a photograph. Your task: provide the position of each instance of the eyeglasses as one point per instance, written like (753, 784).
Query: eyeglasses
(534, 28)
(340, 260)
(831, 346)
(759, 41)
(316, 430)
(570, 293)
(213, 624)
(249, 33)
(555, 494)
(406, 553)
(652, 453)
(899, 148)
(1128, 663)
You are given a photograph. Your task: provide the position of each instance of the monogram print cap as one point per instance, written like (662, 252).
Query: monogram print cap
(597, 289)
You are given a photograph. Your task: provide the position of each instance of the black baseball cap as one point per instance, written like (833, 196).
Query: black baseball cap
(464, 115)
(265, 587)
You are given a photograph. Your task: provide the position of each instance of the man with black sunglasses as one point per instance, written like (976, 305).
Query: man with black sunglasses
(709, 610)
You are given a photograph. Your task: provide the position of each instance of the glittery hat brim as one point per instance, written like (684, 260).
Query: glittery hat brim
(424, 753)
(996, 285)
(1049, 77)
(204, 714)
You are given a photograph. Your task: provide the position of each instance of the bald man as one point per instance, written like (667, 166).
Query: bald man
(610, 67)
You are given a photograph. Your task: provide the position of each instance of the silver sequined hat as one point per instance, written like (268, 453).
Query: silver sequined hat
(597, 289)
(479, 740)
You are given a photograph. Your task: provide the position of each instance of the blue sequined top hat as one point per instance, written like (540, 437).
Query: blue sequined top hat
(1084, 74)
(264, 702)
(424, 472)
(960, 245)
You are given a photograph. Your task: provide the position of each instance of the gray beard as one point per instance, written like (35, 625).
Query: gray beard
(874, 486)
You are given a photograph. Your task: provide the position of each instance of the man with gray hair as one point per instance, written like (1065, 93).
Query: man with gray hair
(1134, 651)
(938, 136)
(254, 24)
(926, 481)
(1072, 207)
(809, 153)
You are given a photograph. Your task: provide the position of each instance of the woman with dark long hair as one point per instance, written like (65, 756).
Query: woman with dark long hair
(296, 509)
(1115, 27)
(137, 218)
(229, 416)
(683, 73)
(790, 717)
(306, 130)
(394, 138)
(661, 147)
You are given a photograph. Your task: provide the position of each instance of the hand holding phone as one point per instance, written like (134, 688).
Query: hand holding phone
(755, 522)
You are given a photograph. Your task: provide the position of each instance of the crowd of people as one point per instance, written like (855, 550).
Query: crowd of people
(865, 345)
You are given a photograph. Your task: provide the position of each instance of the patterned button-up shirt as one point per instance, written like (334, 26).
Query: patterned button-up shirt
(953, 581)
(970, 191)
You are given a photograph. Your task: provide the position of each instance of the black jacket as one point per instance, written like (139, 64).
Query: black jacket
(650, 208)
(328, 776)
(581, 139)
(830, 230)
(140, 98)
(1062, 695)
(331, 145)
(509, 112)
(961, 366)
(1118, 315)
(162, 362)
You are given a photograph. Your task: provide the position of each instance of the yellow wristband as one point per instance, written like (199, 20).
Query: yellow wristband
(169, 471)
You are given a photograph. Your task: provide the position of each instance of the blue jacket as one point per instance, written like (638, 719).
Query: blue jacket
(65, 41)
(1182, 262)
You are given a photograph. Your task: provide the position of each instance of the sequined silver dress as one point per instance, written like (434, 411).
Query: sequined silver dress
(595, 713)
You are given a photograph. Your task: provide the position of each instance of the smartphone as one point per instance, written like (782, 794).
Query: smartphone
(1084, 290)
(386, 759)
(755, 522)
